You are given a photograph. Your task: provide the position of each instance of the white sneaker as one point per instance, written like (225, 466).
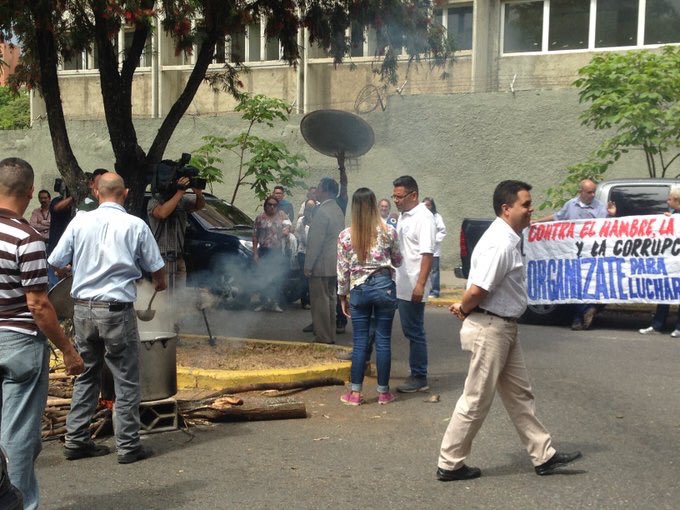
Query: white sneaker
(651, 331)
(258, 308)
(276, 308)
(676, 333)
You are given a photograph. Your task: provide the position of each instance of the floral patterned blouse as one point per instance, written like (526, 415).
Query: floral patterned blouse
(269, 230)
(384, 253)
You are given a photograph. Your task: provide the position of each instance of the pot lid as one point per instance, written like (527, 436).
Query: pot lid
(60, 297)
(332, 132)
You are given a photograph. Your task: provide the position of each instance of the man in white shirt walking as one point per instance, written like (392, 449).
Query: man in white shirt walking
(495, 297)
(416, 230)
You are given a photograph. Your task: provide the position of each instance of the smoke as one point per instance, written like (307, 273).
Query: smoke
(231, 284)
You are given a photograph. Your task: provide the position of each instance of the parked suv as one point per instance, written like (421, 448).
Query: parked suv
(218, 250)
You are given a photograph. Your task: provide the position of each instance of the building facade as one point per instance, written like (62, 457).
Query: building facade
(502, 45)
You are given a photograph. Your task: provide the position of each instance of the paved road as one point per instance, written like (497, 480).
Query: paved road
(609, 392)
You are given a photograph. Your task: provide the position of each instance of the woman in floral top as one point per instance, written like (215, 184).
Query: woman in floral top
(368, 252)
(271, 266)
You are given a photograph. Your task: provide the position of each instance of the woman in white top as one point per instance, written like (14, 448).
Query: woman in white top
(439, 237)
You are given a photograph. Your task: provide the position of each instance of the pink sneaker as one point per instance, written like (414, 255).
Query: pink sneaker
(351, 399)
(386, 397)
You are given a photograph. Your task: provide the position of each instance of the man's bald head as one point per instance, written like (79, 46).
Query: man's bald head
(586, 190)
(111, 188)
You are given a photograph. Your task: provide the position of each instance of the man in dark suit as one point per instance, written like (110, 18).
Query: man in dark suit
(321, 260)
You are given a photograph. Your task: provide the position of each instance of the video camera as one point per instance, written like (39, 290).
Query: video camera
(168, 172)
(60, 187)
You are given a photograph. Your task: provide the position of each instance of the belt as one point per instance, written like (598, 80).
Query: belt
(382, 271)
(112, 306)
(487, 312)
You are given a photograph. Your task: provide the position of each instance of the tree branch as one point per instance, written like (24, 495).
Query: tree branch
(203, 60)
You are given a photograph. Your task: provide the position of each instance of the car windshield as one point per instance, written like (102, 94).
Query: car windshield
(220, 215)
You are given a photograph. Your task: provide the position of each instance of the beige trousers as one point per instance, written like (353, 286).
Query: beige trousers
(496, 363)
(322, 297)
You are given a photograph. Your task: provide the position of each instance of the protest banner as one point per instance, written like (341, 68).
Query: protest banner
(634, 259)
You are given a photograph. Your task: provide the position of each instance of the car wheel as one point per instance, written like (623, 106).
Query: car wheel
(229, 281)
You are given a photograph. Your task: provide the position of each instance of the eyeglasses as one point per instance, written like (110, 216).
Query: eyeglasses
(397, 197)
(271, 204)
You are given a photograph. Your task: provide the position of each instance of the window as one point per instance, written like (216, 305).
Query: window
(523, 27)
(254, 42)
(75, 63)
(145, 57)
(662, 21)
(563, 25)
(459, 26)
(569, 21)
(457, 20)
(616, 23)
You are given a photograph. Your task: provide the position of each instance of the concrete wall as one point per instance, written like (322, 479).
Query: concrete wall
(458, 147)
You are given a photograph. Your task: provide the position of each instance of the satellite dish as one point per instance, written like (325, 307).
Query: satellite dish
(336, 132)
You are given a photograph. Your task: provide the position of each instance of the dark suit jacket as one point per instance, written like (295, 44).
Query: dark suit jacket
(322, 241)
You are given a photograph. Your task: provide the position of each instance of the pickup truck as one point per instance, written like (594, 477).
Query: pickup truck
(631, 196)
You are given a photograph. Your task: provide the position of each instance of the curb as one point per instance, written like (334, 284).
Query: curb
(190, 378)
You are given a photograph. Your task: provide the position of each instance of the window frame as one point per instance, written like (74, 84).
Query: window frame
(592, 25)
(444, 21)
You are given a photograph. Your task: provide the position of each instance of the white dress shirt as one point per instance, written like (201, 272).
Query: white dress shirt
(497, 266)
(416, 231)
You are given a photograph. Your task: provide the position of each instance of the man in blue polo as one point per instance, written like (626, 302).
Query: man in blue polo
(108, 249)
(583, 206)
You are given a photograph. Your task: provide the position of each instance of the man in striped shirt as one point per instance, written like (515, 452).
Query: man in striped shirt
(26, 318)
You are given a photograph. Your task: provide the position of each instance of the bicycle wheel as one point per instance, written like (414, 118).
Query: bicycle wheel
(367, 100)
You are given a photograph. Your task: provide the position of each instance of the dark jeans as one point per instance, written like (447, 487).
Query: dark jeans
(660, 316)
(412, 317)
(434, 275)
(304, 298)
(375, 298)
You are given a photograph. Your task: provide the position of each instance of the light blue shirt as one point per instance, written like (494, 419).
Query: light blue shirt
(108, 248)
(574, 209)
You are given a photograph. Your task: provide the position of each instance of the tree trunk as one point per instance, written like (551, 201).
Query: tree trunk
(49, 87)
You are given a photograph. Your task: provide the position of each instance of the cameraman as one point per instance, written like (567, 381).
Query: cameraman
(168, 222)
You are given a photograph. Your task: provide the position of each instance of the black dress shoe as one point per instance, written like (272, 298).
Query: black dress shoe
(556, 461)
(141, 453)
(462, 473)
(308, 329)
(84, 452)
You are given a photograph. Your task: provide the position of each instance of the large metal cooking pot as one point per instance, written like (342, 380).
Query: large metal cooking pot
(157, 365)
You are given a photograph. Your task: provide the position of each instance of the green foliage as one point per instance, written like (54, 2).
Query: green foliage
(637, 95)
(269, 162)
(15, 109)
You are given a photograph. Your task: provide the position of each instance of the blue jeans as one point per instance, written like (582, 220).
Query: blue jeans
(412, 317)
(434, 275)
(112, 338)
(24, 374)
(660, 316)
(377, 298)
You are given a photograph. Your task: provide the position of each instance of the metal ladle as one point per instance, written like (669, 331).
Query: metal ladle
(148, 314)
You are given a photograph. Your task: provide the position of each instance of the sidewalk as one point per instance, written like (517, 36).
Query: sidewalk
(452, 289)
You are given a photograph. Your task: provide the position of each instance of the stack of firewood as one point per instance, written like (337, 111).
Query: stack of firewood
(58, 404)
